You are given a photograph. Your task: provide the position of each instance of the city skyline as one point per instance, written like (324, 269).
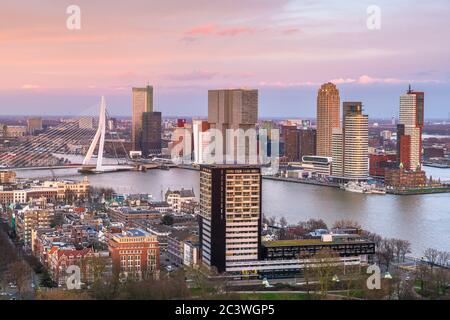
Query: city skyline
(285, 49)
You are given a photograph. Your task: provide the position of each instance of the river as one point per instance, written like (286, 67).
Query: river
(424, 220)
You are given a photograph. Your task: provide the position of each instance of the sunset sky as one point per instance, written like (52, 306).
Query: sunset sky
(284, 48)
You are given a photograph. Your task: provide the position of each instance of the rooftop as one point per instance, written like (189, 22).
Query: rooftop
(309, 242)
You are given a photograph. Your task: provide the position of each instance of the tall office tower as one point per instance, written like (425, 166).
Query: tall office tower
(151, 133)
(142, 102)
(201, 139)
(34, 125)
(328, 106)
(411, 121)
(356, 141)
(307, 142)
(291, 143)
(351, 144)
(337, 166)
(403, 148)
(230, 215)
(233, 109)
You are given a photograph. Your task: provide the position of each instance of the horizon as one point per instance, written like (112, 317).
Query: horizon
(283, 48)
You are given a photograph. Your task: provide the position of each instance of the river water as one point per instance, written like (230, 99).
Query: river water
(424, 220)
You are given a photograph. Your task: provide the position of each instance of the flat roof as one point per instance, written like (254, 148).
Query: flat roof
(307, 242)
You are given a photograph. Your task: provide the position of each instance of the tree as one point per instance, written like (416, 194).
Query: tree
(443, 258)
(386, 252)
(401, 248)
(19, 273)
(314, 224)
(325, 268)
(432, 256)
(272, 221)
(283, 222)
(346, 223)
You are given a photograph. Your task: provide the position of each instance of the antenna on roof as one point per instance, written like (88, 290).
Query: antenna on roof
(409, 89)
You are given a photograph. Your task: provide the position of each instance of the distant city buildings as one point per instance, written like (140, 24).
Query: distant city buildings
(233, 109)
(201, 139)
(34, 125)
(86, 123)
(142, 101)
(328, 117)
(151, 133)
(409, 129)
(176, 198)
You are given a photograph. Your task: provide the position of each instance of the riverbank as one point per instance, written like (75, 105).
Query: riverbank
(303, 181)
(411, 192)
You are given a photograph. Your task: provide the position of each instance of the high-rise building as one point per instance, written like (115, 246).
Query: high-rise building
(351, 144)
(142, 102)
(151, 133)
(230, 215)
(411, 123)
(201, 139)
(328, 106)
(34, 125)
(291, 143)
(233, 109)
(307, 142)
(337, 167)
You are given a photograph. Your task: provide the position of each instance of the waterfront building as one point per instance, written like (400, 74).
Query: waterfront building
(378, 163)
(338, 152)
(411, 123)
(328, 118)
(230, 214)
(317, 166)
(7, 177)
(142, 101)
(400, 178)
(151, 133)
(298, 142)
(135, 253)
(350, 144)
(435, 151)
(291, 143)
(307, 141)
(233, 109)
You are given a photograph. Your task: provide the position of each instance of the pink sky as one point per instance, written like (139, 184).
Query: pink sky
(190, 46)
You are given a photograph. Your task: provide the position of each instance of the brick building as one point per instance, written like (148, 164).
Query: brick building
(135, 254)
(401, 178)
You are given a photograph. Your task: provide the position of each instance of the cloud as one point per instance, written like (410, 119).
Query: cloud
(361, 80)
(201, 30)
(30, 87)
(291, 31)
(213, 30)
(367, 80)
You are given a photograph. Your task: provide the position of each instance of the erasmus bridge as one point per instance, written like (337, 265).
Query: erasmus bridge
(53, 148)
